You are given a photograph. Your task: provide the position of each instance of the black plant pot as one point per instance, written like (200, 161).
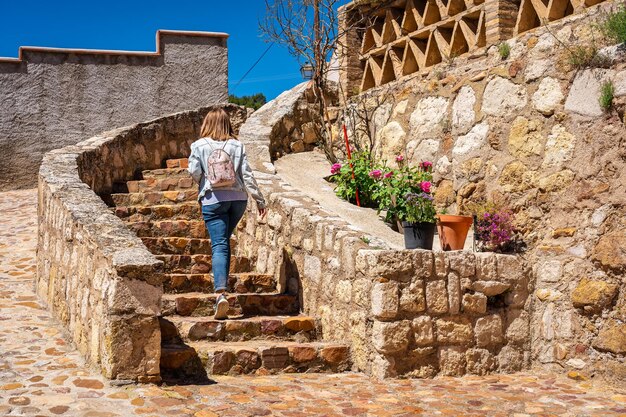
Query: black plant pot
(418, 235)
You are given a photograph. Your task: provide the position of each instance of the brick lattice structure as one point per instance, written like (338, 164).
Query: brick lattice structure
(386, 41)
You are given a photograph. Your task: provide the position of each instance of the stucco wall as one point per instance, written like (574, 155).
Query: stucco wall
(50, 98)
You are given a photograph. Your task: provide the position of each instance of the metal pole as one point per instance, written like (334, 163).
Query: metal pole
(345, 135)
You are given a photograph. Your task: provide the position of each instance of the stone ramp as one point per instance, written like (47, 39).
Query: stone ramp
(306, 171)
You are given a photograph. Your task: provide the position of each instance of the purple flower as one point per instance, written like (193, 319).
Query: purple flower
(399, 158)
(335, 168)
(376, 174)
(389, 174)
(425, 186)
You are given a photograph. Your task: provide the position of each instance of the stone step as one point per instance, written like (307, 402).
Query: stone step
(241, 283)
(183, 211)
(237, 329)
(165, 173)
(179, 245)
(161, 184)
(170, 228)
(256, 357)
(186, 264)
(154, 198)
(177, 163)
(248, 304)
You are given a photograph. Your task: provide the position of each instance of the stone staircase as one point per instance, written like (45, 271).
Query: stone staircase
(265, 334)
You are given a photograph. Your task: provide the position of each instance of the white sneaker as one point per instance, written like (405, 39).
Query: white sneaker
(221, 307)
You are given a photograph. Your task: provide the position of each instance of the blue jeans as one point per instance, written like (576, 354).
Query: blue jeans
(221, 220)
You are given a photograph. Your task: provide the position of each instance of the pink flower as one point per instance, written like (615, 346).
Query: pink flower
(389, 174)
(426, 165)
(335, 168)
(425, 186)
(399, 158)
(376, 174)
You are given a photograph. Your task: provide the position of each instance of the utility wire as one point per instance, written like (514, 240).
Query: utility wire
(252, 67)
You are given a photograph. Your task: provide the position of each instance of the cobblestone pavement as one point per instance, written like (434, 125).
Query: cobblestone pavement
(42, 375)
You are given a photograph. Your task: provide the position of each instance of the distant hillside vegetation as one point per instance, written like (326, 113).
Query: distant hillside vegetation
(255, 101)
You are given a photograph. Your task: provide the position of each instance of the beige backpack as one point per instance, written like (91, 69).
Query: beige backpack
(220, 169)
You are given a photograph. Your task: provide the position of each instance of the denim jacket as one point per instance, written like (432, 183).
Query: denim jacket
(200, 151)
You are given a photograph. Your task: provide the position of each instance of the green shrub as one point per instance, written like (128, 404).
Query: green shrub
(504, 49)
(363, 165)
(614, 26)
(581, 57)
(606, 95)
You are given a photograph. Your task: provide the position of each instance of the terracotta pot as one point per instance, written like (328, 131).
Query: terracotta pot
(453, 231)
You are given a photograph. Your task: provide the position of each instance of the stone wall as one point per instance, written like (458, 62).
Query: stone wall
(287, 124)
(529, 130)
(95, 275)
(51, 98)
(404, 313)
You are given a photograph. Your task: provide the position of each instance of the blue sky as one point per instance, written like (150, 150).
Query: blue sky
(132, 25)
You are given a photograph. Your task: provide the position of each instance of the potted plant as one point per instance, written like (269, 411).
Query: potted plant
(453, 230)
(406, 194)
(419, 221)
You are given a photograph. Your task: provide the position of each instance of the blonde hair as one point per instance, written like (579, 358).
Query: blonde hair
(216, 125)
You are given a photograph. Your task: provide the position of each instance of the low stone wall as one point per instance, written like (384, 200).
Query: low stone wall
(95, 275)
(404, 313)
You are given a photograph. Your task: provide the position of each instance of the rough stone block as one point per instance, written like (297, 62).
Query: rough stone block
(275, 357)
(385, 300)
(510, 359)
(412, 299)
(302, 354)
(455, 330)
(221, 362)
(423, 331)
(479, 361)
(454, 293)
(423, 262)
(612, 338)
(509, 267)
(474, 303)
(452, 361)
(583, 97)
(392, 337)
(383, 367)
(436, 297)
(594, 295)
(463, 263)
(488, 331)
(490, 288)
(486, 266)
(442, 266)
(518, 327)
(312, 268)
(393, 265)
(300, 324)
(610, 252)
(343, 291)
(335, 355)
(248, 359)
